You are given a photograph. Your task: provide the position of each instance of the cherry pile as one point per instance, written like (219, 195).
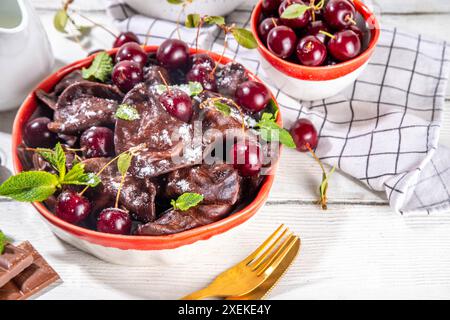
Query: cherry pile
(318, 34)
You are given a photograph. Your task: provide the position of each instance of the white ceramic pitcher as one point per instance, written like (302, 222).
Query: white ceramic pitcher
(26, 57)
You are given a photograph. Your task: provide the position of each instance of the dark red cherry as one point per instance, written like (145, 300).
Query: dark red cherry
(125, 37)
(344, 45)
(270, 6)
(304, 133)
(246, 158)
(202, 59)
(126, 74)
(266, 26)
(281, 41)
(358, 31)
(298, 22)
(173, 54)
(311, 51)
(204, 75)
(177, 103)
(133, 52)
(37, 135)
(252, 95)
(71, 207)
(114, 221)
(97, 142)
(339, 14)
(314, 29)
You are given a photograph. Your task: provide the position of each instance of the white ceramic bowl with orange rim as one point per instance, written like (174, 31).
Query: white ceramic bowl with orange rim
(316, 83)
(139, 250)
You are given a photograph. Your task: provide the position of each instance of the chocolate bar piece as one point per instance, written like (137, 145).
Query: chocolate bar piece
(38, 276)
(12, 262)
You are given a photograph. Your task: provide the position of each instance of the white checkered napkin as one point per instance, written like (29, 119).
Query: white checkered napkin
(383, 130)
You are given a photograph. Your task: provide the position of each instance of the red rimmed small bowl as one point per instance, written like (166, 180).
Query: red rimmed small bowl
(316, 83)
(138, 250)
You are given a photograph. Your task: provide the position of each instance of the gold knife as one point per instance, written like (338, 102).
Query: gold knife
(264, 289)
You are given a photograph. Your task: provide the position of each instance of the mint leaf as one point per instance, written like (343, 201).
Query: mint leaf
(175, 1)
(222, 107)
(30, 186)
(271, 131)
(124, 162)
(195, 88)
(192, 88)
(245, 38)
(4, 240)
(100, 68)
(56, 158)
(220, 21)
(187, 201)
(192, 20)
(77, 176)
(294, 11)
(127, 112)
(60, 20)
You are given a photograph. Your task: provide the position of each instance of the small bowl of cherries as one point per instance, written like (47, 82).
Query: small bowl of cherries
(313, 49)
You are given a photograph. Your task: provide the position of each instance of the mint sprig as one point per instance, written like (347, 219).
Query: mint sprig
(271, 131)
(187, 201)
(100, 68)
(37, 186)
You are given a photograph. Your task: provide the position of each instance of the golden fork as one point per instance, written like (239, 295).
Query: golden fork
(253, 270)
(263, 290)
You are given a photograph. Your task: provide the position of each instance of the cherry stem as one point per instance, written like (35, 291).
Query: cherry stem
(327, 34)
(165, 81)
(225, 47)
(200, 25)
(316, 158)
(100, 172)
(274, 22)
(119, 190)
(95, 23)
(350, 18)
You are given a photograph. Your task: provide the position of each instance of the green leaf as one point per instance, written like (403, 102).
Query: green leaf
(4, 240)
(192, 88)
(124, 163)
(294, 11)
(100, 68)
(187, 201)
(56, 158)
(274, 108)
(127, 112)
(175, 1)
(271, 131)
(195, 88)
(217, 20)
(192, 20)
(245, 38)
(77, 176)
(324, 186)
(30, 186)
(222, 107)
(60, 20)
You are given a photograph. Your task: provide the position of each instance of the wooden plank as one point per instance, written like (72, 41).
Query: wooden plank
(362, 247)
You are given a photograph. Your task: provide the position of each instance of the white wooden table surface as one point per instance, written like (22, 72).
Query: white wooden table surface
(357, 249)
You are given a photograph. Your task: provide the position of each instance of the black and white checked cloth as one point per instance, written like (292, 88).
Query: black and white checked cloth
(383, 130)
